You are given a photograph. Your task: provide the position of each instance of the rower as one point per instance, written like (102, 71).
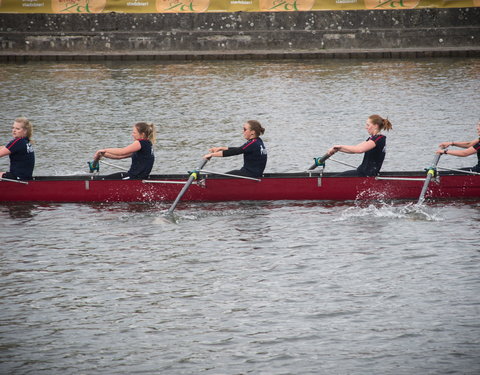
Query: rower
(20, 151)
(374, 148)
(141, 152)
(254, 151)
(469, 148)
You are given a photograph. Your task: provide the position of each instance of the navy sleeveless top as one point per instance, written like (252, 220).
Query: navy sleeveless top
(373, 159)
(142, 160)
(22, 158)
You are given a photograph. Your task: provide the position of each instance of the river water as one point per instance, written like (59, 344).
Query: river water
(241, 288)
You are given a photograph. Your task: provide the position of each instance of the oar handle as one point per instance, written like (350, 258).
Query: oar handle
(193, 176)
(94, 165)
(319, 161)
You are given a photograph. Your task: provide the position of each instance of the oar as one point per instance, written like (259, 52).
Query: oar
(113, 165)
(430, 175)
(459, 171)
(193, 176)
(231, 175)
(343, 163)
(10, 180)
(319, 161)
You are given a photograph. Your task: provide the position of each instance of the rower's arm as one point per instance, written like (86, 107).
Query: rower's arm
(465, 152)
(223, 152)
(111, 155)
(232, 151)
(4, 151)
(465, 144)
(216, 149)
(357, 149)
(122, 153)
(217, 154)
(472, 143)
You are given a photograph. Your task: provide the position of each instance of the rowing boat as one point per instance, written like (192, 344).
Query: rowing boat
(310, 185)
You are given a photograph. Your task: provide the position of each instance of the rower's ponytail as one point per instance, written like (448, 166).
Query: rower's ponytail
(383, 123)
(256, 127)
(387, 125)
(148, 129)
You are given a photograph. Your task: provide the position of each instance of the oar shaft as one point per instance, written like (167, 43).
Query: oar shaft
(113, 165)
(16, 181)
(459, 171)
(193, 176)
(231, 175)
(341, 162)
(430, 174)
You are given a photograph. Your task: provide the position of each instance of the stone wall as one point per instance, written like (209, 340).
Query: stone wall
(363, 33)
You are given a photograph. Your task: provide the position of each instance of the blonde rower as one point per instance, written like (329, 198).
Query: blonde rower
(141, 152)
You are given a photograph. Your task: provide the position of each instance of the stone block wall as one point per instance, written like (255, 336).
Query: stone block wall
(226, 35)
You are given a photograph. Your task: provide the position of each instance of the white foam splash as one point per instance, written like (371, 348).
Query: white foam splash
(409, 211)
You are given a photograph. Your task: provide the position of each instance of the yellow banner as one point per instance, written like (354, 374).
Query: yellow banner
(200, 6)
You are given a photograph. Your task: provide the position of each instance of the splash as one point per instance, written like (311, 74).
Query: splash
(166, 218)
(385, 210)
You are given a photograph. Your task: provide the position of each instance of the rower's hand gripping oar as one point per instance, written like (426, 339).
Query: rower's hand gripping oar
(319, 161)
(193, 176)
(431, 171)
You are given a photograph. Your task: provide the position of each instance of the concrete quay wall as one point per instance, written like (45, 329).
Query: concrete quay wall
(169, 36)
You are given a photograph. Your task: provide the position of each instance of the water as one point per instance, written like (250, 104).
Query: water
(237, 288)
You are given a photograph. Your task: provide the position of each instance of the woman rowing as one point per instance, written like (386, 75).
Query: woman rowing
(20, 151)
(254, 151)
(469, 148)
(141, 152)
(374, 148)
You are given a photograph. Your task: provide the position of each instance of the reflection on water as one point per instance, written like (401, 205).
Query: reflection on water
(19, 211)
(240, 287)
